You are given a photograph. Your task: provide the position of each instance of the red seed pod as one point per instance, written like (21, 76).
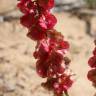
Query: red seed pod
(36, 34)
(28, 20)
(92, 75)
(46, 4)
(92, 62)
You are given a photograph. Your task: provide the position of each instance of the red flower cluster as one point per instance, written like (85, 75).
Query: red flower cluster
(51, 46)
(92, 63)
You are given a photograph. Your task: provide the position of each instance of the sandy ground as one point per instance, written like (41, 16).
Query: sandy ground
(17, 66)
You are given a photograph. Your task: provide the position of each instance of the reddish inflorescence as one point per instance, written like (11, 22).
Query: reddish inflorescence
(51, 47)
(92, 63)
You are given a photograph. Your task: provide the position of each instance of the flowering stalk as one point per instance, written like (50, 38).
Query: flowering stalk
(51, 47)
(92, 63)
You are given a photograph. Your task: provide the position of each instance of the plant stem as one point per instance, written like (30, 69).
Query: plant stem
(66, 93)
